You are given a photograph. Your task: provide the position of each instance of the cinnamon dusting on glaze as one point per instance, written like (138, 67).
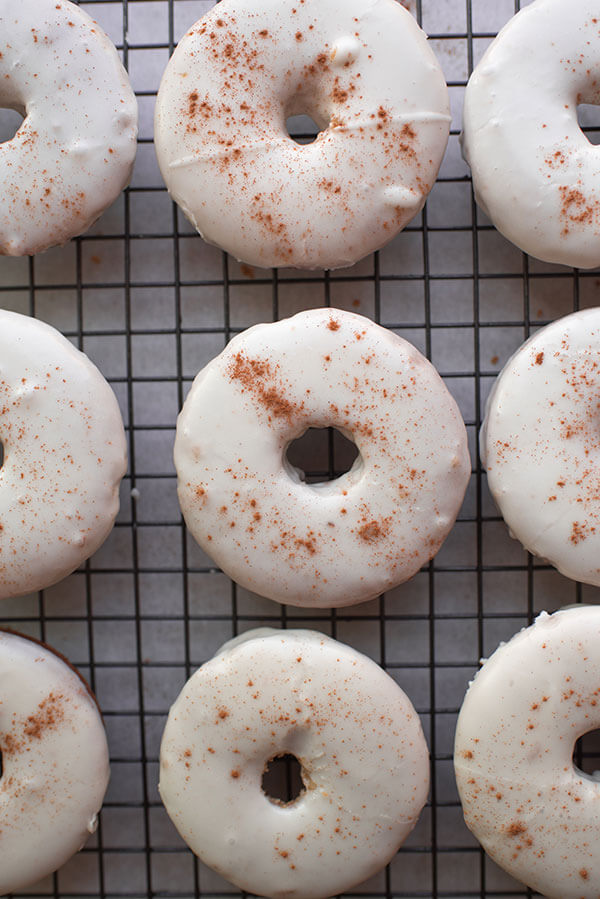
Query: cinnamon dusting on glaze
(275, 375)
(289, 217)
(323, 693)
(539, 828)
(257, 377)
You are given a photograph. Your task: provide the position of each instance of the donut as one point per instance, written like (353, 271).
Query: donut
(362, 69)
(535, 173)
(533, 811)
(346, 540)
(74, 151)
(363, 756)
(540, 444)
(54, 761)
(64, 456)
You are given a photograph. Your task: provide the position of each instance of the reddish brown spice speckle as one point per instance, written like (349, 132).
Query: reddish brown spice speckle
(516, 829)
(373, 531)
(333, 325)
(338, 94)
(580, 532)
(258, 377)
(584, 874)
(235, 773)
(575, 208)
(192, 101)
(50, 713)
(539, 358)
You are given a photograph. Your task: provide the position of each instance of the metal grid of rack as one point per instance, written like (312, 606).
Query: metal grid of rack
(151, 303)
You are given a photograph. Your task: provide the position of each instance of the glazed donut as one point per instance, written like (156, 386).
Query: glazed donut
(64, 456)
(335, 543)
(364, 72)
(54, 761)
(535, 174)
(364, 759)
(74, 151)
(533, 812)
(540, 444)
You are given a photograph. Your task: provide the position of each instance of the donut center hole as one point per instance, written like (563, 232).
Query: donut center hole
(282, 779)
(302, 128)
(321, 454)
(586, 754)
(10, 122)
(588, 116)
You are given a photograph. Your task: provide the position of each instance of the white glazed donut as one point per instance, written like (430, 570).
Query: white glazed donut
(64, 456)
(540, 444)
(365, 765)
(535, 173)
(361, 68)
(74, 151)
(346, 540)
(534, 813)
(54, 762)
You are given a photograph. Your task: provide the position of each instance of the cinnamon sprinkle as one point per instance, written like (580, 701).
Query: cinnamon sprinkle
(257, 376)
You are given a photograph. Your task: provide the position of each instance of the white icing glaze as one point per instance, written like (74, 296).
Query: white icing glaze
(534, 813)
(359, 740)
(75, 149)
(540, 444)
(346, 540)
(54, 762)
(535, 173)
(64, 456)
(362, 69)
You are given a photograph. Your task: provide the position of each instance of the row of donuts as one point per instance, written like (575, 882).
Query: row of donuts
(329, 544)
(363, 758)
(370, 81)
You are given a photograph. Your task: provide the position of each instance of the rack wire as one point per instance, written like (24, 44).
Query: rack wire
(151, 303)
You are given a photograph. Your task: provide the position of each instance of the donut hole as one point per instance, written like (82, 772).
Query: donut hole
(282, 781)
(303, 129)
(321, 454)
(588, 116)
(586, 754)
(10, 122)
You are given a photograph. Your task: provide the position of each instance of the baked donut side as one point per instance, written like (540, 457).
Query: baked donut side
(540, 444)
(533, 812)
(74, 151)
(346, 540)
(54, 761)
(64, 456)
(535, 174)
(365, 73)
(363, 755)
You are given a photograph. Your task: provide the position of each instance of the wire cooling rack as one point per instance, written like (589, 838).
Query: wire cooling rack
(151, 303)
